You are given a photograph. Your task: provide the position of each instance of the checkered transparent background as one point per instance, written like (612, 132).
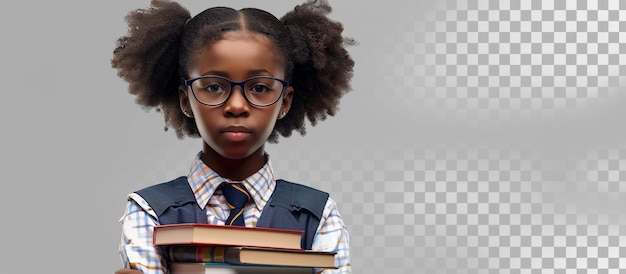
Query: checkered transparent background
(552, 204)
(475, 210)
(493, 61)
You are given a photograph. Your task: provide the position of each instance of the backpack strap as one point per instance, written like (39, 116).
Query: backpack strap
(295, 206)
(173, 202)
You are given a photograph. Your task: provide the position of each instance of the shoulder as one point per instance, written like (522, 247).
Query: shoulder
(177, 190)
(301, 187)
(317, 201)
(303, 193)
(163, 195)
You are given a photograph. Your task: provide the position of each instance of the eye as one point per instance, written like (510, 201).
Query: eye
(259, 88)
(213, 88)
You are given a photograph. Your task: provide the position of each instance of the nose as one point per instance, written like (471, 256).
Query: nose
(236, 105)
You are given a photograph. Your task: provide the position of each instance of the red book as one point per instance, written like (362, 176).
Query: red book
(205, 234)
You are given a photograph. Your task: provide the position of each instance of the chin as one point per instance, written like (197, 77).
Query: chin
(236, 153)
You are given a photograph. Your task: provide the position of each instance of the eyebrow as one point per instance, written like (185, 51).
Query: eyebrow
(251, 73)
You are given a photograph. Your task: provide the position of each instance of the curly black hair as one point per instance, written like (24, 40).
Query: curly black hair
(153, 55)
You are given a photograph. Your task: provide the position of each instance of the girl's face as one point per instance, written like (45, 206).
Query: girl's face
(235, 130)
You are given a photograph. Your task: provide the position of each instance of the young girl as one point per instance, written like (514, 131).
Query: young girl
(236, 79)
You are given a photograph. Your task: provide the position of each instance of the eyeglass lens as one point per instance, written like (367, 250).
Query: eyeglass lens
(258, 91)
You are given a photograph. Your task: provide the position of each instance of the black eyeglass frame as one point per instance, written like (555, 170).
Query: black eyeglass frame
(189, 82)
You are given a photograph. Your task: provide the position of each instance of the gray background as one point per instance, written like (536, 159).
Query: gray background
(480, 136)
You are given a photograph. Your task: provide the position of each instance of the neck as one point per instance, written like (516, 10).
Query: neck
(233, 169)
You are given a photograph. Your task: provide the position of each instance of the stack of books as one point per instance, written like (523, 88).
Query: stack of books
(215, 249)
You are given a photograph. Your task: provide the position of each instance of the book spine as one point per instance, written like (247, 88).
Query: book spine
(196, 254)
(232, 255)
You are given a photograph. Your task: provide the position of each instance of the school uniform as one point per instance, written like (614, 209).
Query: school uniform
(140, 217)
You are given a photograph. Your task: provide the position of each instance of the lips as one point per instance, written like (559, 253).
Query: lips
(236, 133)
(236, 129)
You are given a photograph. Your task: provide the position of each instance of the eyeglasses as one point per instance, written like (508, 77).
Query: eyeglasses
(261, 91)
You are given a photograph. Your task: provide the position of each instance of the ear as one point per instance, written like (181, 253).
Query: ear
(183, 97)
(286, 102)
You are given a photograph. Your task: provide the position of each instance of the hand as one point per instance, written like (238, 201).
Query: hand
(128, 271)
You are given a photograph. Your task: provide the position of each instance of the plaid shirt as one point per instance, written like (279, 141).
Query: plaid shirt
(139, 219)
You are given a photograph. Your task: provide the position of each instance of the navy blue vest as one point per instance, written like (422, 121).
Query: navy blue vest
(291, 206)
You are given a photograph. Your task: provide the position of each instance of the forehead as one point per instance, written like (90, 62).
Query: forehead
(237, 52)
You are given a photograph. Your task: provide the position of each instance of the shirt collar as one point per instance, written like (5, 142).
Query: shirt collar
(204, 182)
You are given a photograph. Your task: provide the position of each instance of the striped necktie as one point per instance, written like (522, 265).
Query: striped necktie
(237, 197)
